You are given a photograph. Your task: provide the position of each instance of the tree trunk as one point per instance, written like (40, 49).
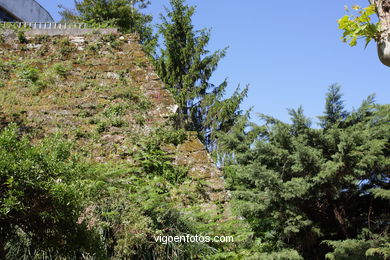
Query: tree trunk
(383, 11)
(339, 216)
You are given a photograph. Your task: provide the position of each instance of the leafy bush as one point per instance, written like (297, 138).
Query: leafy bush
(65, 47)
(135, 209)
(42, 38)
(30, 74)
(31, 77)
(114, 114)
(154, 160)
(115, 110)
(41, 190)
(117, 122)
(5, 70)
(101, 126)
(174, 137)
(22, 37)
(61, 69)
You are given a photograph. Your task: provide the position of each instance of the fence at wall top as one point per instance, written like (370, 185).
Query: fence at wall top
(48, 26)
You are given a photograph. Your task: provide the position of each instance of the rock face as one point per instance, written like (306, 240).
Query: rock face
(100, 91)
(194, 155)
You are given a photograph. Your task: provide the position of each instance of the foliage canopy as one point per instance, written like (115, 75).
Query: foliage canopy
(359, 25)
(312, 189)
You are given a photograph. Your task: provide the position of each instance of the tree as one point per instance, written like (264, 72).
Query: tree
(186, 66)
(361, 26)
(383, 12)
(316, 191)
(334, 108)
(124, 14)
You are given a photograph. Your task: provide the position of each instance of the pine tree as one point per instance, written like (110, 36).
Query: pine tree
(334, 107)
(315, 190)
(186, 66)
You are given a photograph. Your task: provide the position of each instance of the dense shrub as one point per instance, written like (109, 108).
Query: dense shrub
(41, 199)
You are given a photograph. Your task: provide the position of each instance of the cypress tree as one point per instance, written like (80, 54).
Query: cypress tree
(186, 66)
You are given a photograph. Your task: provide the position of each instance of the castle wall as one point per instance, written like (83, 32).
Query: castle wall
(70, 31)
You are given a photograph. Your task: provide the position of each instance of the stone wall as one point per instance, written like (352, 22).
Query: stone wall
(193, 154)
(95, 82)
(69, 32)
(10, 33)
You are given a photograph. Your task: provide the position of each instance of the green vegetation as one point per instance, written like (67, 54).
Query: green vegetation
(58, 205)
(315, 191)
(121, 174)
(124, 14)
(359, 25)
(186, 66)
(94, 164)
(65, 47)
(22, 38)
(42, 192)
(61, 70)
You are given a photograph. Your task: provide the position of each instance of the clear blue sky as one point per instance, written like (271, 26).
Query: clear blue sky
(288, 51)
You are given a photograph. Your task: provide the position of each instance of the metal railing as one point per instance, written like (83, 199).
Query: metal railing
(48, 26)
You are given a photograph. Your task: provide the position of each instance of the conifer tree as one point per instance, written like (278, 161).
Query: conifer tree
(186, 66)
(334, 107)
(321, 192)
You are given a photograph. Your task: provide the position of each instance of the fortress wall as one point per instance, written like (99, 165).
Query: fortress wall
(70, 32)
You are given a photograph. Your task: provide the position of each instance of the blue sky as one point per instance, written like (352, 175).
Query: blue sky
(289, 52)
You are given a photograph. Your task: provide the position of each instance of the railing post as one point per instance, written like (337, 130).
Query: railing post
(48, 25)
